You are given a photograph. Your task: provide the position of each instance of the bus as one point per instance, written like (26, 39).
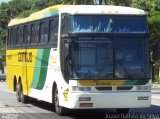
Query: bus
(81, 57)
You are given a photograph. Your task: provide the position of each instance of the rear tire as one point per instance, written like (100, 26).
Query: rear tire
(58, 109)
(18, 95)
(23, 98)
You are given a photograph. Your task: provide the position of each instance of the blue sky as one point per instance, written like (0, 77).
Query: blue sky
(4, 1)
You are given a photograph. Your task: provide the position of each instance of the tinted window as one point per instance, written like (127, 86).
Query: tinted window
(53, 31)
(34, 33)
(92, 59)
(26, 35)
(121, 58)
(13, 36)
(19, 35)
(44, 32)
(111, 24)
(131, 58)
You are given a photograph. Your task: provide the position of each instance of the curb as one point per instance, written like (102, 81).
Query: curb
(155, 97)
(155, 85)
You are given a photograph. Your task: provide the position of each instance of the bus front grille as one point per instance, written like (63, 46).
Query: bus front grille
(117, 88)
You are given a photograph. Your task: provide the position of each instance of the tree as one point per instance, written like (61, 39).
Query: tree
(3, 22)
(109, 2)
(77, 2)
(152, 9)
(121, 2)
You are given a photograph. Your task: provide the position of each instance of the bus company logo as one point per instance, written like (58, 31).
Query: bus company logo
(65, 93)
(24, 56)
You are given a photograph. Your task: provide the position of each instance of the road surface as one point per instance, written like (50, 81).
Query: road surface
(11, 109)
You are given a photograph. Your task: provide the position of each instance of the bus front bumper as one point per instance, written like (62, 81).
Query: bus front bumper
(108, 100)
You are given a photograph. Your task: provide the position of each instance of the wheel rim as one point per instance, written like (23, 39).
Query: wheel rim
(17, 90)
(18, 93)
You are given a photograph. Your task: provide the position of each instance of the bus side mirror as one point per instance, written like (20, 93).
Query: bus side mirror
(156, 53)
(64, 23)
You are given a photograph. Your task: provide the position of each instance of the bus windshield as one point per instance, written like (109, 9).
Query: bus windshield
(109, 59)
(108, 24)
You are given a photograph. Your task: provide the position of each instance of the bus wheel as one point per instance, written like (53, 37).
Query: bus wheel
(122, 110)
(18, 92)
(23, 98)
(58, 109)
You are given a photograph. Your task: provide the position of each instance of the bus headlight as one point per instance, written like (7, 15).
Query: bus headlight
(76, 88)
(143, 87)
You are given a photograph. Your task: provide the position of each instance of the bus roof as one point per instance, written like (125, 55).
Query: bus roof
(50, 11)
(101, 9)
(78, 9)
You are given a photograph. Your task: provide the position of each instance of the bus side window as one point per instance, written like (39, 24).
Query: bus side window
(34, 33)
(44, 32)
(26, 35)
(53, 31)
(9, 37)
(13, 36)
(19, 36)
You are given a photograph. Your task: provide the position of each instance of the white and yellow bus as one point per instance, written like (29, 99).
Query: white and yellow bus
(81, 57)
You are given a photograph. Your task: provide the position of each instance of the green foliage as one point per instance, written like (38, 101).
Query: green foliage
(87, 2)
(152, 8)
(77, 2)
(119, 2)
(156, 78)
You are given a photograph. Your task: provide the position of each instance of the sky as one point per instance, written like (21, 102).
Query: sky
(4, 1)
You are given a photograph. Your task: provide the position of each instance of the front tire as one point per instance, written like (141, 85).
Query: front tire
(58, 109)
